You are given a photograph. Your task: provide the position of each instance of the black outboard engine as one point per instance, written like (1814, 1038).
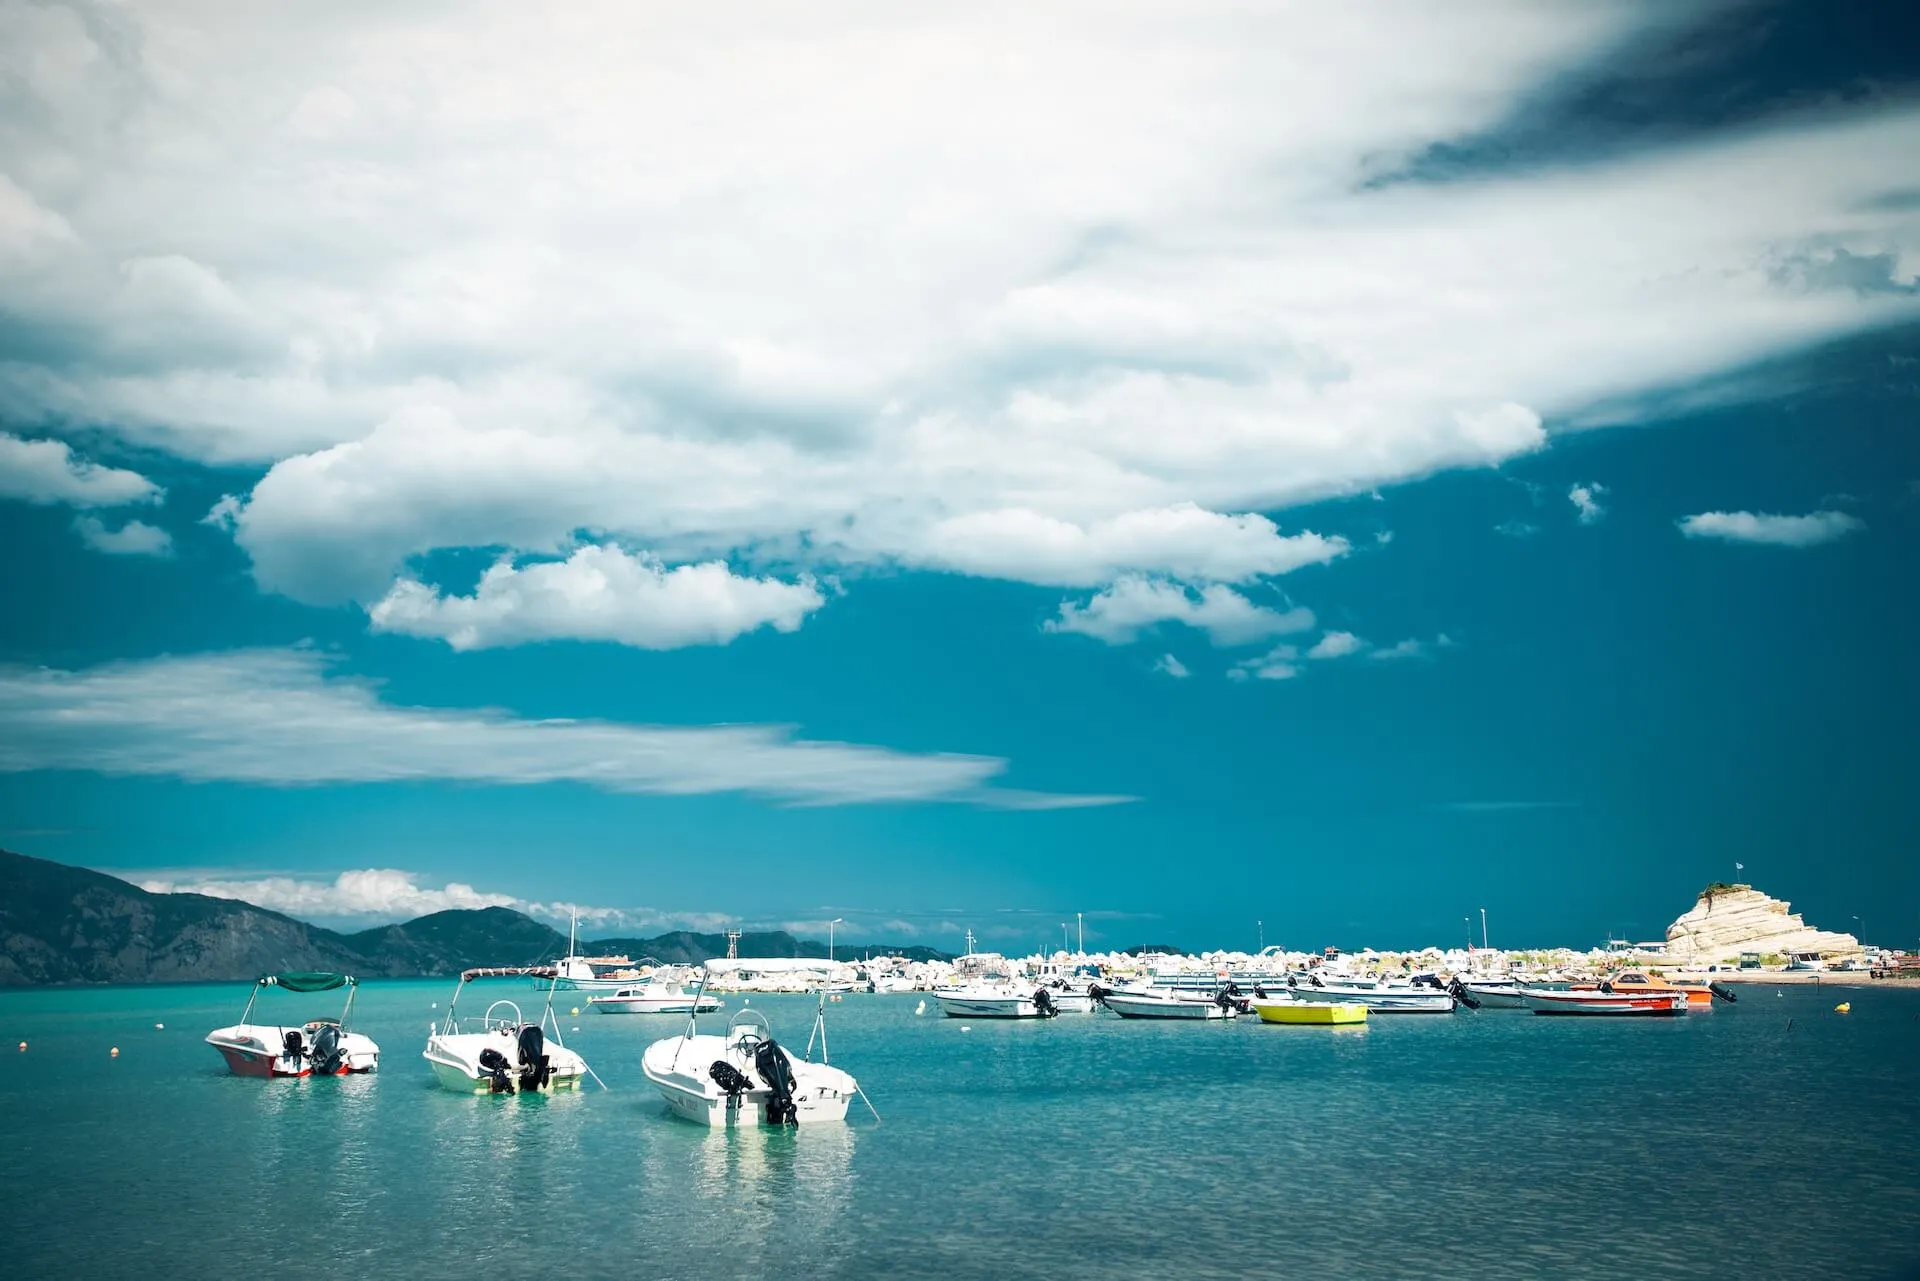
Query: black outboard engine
(536, 1066)
(1227, 998)
(1043, 1002)
(1098, 993)
(495, 1065)
(1463, 996)
(327, 1054)
(731, 1080)
(293, 1046)
(1259, 993)
(1722, 991)
(771, 1062)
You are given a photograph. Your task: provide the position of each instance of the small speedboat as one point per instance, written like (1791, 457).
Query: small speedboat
(745, 1077)
(501, 1052)
(1309, 1013)
(662, 993)
(318, 1047)
(1387, 998)
(1655, 1004)
(1699, 995)
(1488, 994)
(1002, 1001)
(1168, 1003)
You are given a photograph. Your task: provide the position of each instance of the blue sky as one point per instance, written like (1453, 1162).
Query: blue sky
(1346, 479)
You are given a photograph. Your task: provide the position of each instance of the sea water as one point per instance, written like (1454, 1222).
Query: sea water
(1774, 1138)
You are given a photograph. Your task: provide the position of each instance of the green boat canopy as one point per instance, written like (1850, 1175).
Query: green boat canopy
(308, 980)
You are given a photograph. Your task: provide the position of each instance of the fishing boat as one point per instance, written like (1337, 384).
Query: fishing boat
(1652, 1004)
(1309, 1013)
(663, 993)
(501, 1052)
(1162, 1003)
(745, 1077)
(318, 1047)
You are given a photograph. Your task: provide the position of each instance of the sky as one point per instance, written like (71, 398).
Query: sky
(1211, 477)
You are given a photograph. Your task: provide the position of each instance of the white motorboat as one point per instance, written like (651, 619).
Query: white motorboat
(1000, 1000)
(318, 1047)
(663, 993)
(1167, 1003)
(745, 1077)
(1489, 994)
(501, 1052)
(1386, 998)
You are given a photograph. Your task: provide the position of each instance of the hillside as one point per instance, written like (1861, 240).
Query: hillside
(61, 924)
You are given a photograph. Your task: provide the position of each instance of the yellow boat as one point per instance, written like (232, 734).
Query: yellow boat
(1311, 1013)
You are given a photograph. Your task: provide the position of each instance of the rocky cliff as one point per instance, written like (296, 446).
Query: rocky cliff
(1730, 919)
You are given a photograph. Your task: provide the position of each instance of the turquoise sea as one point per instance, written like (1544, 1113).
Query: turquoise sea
(1770, 1139)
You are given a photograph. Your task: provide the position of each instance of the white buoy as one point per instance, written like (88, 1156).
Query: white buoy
(114, 1053)
(965, 1028)
(920, 1008)
(159, 1027)
(575, 1011)
(576, 1029)
(23, 1047)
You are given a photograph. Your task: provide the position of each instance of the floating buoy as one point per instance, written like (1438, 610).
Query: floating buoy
(1845, 1007)
(114, 1053)
(575, 1011)
(918, 1009)
(576, 1029)
(965, 1028)
(159, 1027)
(23, 1047)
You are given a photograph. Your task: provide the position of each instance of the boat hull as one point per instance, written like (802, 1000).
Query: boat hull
(455, 1062)
(1379, 1000)
(683, 1003)
(987, 1007)
(254, 1050)
(1496, 998)
(1610, 1005)
(680, 1068)
(1311, 1013)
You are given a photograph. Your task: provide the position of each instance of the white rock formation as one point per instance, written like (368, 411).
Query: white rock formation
(1734, 919)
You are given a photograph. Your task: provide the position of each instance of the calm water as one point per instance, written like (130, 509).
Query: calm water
(1482, 1146)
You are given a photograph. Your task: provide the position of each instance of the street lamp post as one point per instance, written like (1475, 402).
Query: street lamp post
(838, 920)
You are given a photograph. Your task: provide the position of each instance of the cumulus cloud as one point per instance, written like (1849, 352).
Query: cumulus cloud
(1586, 502)
(1134, 605)
(1336, 645)
(379, 895)
(277, 717)
(1412, 648)
(1278, 664)
(1778, 531)
(893, 286)
(47, 471)
(1171, 666)
(599, 593)
(134, 538)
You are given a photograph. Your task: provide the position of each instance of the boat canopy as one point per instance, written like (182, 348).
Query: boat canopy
(509, 971)
(308, 980)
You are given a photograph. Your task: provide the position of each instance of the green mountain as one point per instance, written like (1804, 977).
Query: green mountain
(61, 924)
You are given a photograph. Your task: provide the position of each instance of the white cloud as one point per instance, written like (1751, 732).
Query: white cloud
(134, 538)
(1586, 501)
(1516, 529)
(276, 717)
(1278, 664)
(1779, 531)
(599, 593)
(886, 276)
(377, 895)
(1171, 666)
(1133, 605)
(1336, 645)
(1412, 648)
(46, 471)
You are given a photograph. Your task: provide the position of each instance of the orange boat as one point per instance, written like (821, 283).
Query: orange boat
(1640, 983)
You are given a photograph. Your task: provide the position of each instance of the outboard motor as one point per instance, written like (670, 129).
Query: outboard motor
(731, 1080)
(536, 1066)
(1722, 991)
(1463, 996)
(1043, 1002)
(1259, 993)
(327, 1054)
(293, 1046)
(495, 1065)
(1098, 993)
(771, 1062)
